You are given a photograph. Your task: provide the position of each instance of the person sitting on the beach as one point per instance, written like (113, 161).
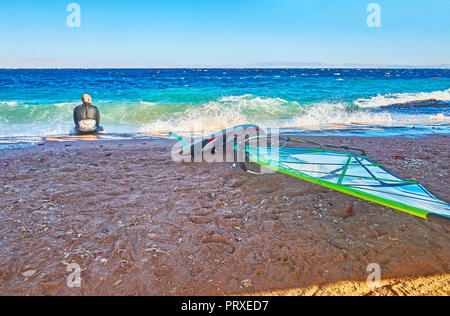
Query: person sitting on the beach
(86, 116)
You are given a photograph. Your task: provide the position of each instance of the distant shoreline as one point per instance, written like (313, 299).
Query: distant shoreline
(275, 68)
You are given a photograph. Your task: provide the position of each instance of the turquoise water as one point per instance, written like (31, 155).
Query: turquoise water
(157, 101)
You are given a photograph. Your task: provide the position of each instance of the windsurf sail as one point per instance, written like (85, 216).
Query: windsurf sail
(349, 173)
(355, 175)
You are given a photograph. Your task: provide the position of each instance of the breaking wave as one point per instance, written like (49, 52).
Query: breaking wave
(18, 118)
(277, 112)
(401, 98)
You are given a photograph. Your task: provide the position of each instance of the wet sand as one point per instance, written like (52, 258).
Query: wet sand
(138, 223)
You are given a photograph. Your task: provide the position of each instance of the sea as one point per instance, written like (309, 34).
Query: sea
(154, 102)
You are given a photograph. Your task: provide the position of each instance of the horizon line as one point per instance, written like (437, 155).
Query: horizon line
(444, 66)
(50, 63)
(216, 67)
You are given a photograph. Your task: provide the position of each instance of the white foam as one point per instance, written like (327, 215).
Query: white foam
(10, 103)
(223, 113)
(276, 112)
(67, 104)
(215, 115)
(147, 103)
(321, 118)
(325, 114)
(398, 98)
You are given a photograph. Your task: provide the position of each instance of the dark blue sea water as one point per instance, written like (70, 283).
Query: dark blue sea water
(156, 101)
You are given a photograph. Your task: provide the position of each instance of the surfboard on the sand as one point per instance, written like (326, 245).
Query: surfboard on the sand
(195, 146)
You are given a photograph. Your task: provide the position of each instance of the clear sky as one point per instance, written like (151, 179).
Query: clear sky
(226, 32)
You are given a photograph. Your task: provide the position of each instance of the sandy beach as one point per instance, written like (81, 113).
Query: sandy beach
(139, 224)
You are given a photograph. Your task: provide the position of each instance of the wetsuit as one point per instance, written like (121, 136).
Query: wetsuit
(86, 113)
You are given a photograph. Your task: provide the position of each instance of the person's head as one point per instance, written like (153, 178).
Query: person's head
(86, 98)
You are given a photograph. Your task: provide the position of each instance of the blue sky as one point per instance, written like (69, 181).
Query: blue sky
(226, 32)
